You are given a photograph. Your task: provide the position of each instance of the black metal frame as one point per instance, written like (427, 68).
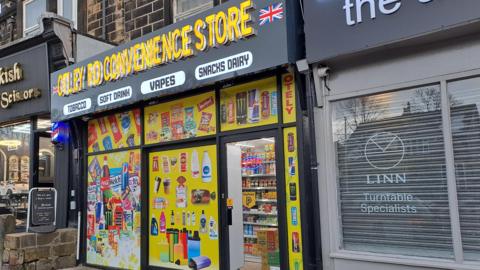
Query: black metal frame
(220, 139)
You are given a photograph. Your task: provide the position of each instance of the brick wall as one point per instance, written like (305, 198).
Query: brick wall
(125, 19)
(55, 250)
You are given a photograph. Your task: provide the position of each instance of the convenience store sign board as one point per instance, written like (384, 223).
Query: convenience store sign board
(229, 40)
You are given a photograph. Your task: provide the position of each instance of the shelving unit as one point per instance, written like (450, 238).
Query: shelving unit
(255, 259)
(260, 213)
(258, 176)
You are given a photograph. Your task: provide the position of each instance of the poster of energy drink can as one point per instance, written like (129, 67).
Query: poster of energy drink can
(114, 131)
(114, 211)
(292, 198)
(183, 210)
(249, 105)
(181, 119)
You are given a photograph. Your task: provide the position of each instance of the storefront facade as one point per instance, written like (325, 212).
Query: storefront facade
(192, 142)
(396, 110)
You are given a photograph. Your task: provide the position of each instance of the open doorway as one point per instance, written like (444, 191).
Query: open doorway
(252, 183)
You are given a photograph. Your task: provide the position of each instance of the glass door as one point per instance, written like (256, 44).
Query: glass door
(252, 190)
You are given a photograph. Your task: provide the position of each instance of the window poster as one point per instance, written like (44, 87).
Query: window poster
(288, 98)
(113, 213)
(294, 225)
(114, 131)
(181, 119)
(249, 105)
(183, 209)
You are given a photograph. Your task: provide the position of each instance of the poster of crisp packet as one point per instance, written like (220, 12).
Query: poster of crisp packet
(133, 182)
(116, 180)
(94, 168)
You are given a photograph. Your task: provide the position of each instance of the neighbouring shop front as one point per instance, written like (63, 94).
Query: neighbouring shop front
(397, 125)
(192, 139)
(27, 157)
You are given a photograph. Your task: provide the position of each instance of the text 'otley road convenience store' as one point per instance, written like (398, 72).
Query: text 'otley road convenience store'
(180, 43)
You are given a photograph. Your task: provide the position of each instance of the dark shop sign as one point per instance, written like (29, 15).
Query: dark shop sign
(23, 76)
(227, 41)
(340, 27)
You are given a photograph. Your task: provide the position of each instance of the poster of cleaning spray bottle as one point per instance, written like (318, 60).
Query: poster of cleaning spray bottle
(183, 209)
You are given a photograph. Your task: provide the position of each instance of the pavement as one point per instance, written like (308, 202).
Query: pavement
(80, 267)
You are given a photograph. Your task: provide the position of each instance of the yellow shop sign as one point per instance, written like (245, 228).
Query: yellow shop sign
(214, 30)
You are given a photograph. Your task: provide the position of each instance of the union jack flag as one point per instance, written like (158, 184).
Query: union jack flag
(271, 13)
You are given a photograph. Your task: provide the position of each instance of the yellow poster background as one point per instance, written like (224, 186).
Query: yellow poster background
(114, 131)
(249, 105)
(294, 225)
(114, 211)
(181, 119)
(182, 206)
(289, 104)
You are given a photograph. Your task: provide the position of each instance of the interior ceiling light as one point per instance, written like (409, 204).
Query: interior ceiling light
(10, 143)
(41, 124)
(244, 145)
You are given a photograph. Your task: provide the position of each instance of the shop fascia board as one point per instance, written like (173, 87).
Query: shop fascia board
(389, 48)
(265, 57)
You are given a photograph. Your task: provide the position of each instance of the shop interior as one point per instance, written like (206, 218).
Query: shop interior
(252, 183)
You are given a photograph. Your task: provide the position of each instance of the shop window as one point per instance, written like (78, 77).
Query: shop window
(14, 169)
(181, 119)
(115, 131)
(114, 210)
(249, 105)
(32, 10)
(183, 9)
(183, 208)
(391, 173)
(68, 9)
(465, 120)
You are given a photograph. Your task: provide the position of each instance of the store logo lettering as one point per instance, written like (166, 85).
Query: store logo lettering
(222, 66)
(114, 96)
(10, 75)
(163, 83)
(77, 106)
(289, 101)
(387, 179)
(212, 31)
(9, 98)
(386, 7)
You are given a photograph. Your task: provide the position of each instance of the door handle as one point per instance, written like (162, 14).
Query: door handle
(229, 215)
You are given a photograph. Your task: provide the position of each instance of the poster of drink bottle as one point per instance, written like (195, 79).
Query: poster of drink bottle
(113, 210)
(249, 105)
(114, 131)
(181, 119)
(183, 209)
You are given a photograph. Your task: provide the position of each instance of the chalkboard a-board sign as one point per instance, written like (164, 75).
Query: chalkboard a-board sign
(42, 204)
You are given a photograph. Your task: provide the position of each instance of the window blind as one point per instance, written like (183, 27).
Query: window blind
(465, 120)
(391, 173)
